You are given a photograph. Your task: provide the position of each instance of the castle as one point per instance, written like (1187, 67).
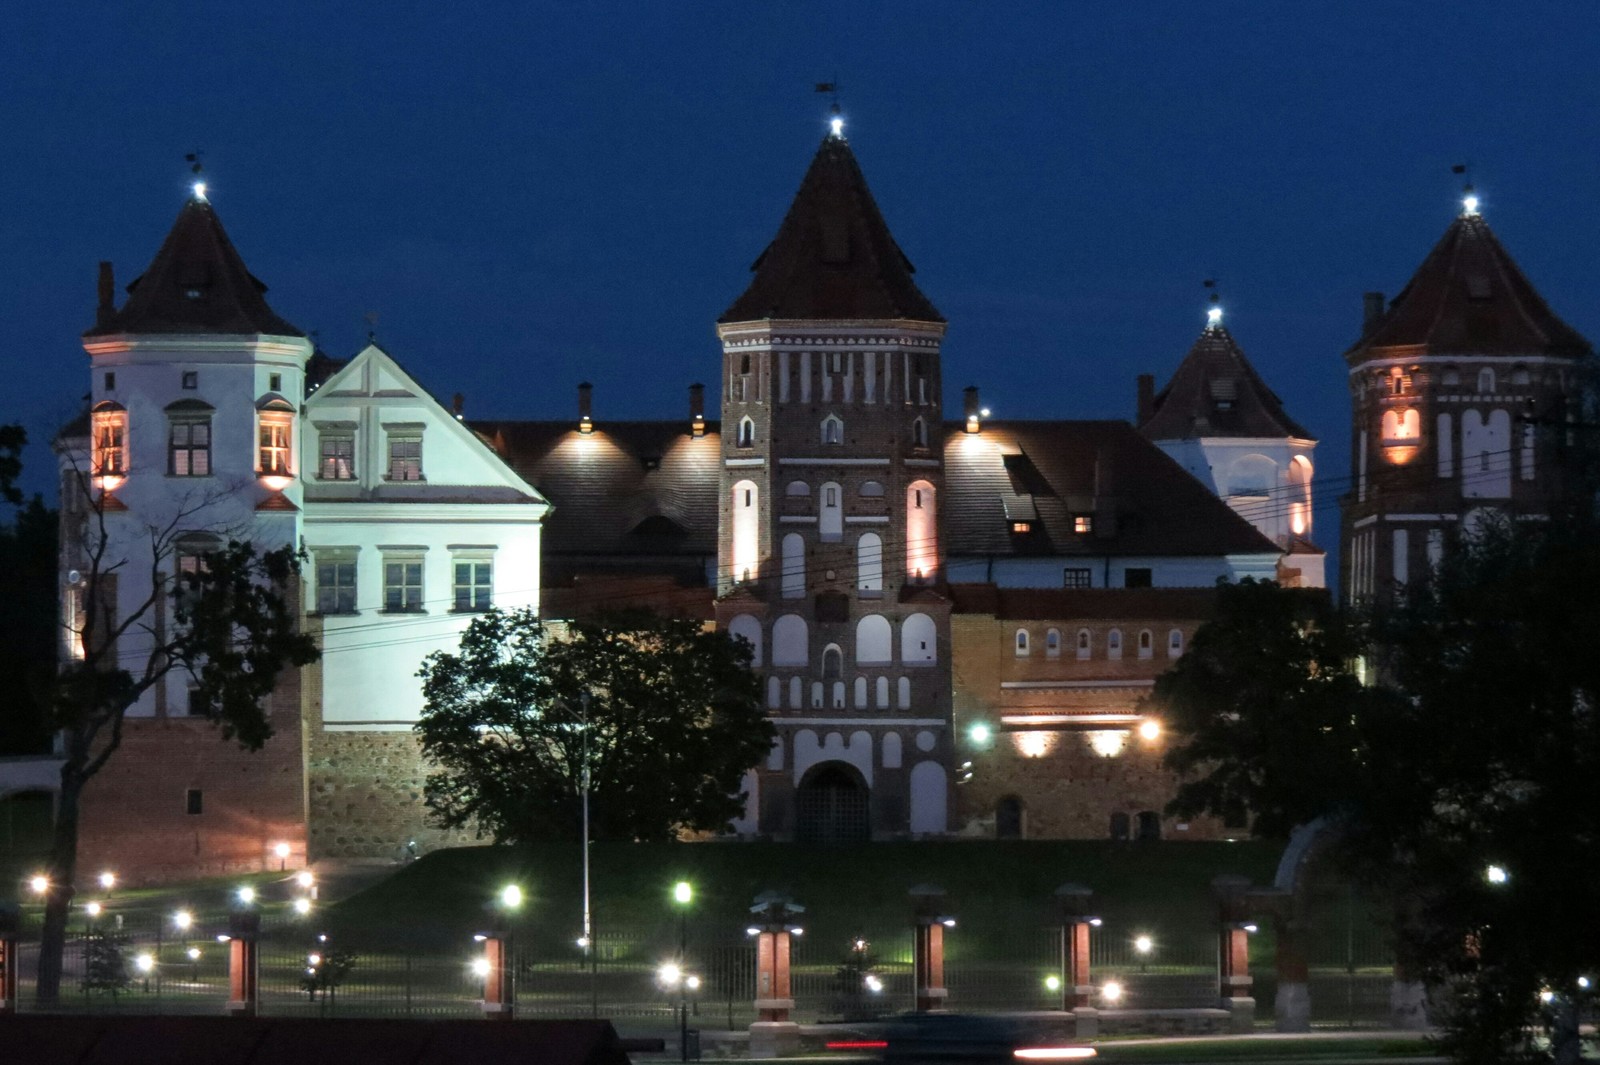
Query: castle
(954, 617)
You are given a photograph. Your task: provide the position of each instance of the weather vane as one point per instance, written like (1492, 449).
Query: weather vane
(1214, 312)
(1469, 199)
(836, 122)
(197, 169)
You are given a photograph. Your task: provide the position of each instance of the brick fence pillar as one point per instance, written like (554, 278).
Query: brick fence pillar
(10, 959)
(1233, 950)
(774, 1034)
(499, 980)
(244, 964)
(1074, 903)
(929, 920)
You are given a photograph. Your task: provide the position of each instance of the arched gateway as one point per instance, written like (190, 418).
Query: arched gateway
(831, 805)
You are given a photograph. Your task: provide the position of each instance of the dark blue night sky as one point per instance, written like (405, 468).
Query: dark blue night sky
(531, 195)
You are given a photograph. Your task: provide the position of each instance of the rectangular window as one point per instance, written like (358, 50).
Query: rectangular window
(402, 585)
(274, 441)
(189, 448)
(275, 382)
(336, 585)
(405, 458)
(1136, 577)
(1076, 577)
(337, 461)
(1083, 524)
(473, 584)
(111, 381)
(191, 380)
(196, 706)
(110, 442)
(193, 801)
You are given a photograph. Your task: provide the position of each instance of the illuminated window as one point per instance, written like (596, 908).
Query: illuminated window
(189, 446)
(922, 536)
(337, 456)
(402, 585)
(110, 457)
(746, 532)
(1401, 426)
(1083, 524)
(474, 581)
(336, 582)
(273, 436)
(1021, 527)
(405, 456)
(1076, 577)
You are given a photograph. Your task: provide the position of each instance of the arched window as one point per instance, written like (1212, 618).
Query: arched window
(1401, 426)
(1052, 643)
(861, 693)
(830, 517)
(796, 489)
(794, 566)
(746, 531)
(919, 433)
(1485, 381)
(1119, 825)
(1252, 475)
(922, 538)
(903, 695)
(796, 687)
(874, 640)
(748, 628)
(774, 693)
(1174, 643)
(832, 662)
(882, 693)
(872, 489)
(919, 643)
(790, 641)
(1021, 642)
(1085, 644)
(1147, 643)
(1008, 815)
(1300, 496)
(1114, 643)
(838, 695)
(747, 432)
(832, 430)
(816, 695)
(869, 564)
(892, 750)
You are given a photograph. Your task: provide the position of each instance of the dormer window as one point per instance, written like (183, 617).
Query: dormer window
(336, 459)
(1083, 524)
(1021, 527)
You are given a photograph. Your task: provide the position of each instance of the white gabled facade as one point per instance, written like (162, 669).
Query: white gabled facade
(412, 524)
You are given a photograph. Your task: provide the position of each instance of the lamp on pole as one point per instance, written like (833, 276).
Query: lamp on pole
(683, 895)
(588, 912)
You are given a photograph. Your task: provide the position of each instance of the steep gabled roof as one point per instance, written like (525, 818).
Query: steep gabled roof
(1216, 392)
(1470, 298)
(833, 256)
(197, 283)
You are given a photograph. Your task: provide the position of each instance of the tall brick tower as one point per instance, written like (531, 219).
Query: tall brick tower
(830, 559)
(1458, 390)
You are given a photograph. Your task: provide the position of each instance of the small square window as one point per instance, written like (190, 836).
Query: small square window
(275, 382)
(1021, 527)
(1083, 524)
(191, 379)
(1075, 577)
(111, 382)
(193, 801)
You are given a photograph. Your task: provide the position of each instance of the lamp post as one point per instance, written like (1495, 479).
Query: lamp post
(584, 784)
(683, 895)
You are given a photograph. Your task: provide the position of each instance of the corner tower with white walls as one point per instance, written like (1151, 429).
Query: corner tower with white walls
(1218, 419)
(1460, 394)
(190, 441)
(830, 557)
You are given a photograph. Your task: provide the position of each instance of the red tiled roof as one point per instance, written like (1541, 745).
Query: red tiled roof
(197, 283)
(1142, 502)
(833, 256)
(1216, 392)
(1469, 298)
(1062, 604)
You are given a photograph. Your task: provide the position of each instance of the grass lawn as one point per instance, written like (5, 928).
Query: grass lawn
(993, 887)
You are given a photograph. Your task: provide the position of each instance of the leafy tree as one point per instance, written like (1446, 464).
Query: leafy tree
(12, 440)
(105, 967)
(28, 627)
(327, 968)
(668, 713)
(230, 625)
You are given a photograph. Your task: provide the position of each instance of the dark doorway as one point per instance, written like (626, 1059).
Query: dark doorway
(1008, 818)
(1119, 825)
(1149, 825)
(831, 807)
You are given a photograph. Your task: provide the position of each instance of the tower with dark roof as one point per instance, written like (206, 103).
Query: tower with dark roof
(829, 549)
(1455, 389)
(1218, 419)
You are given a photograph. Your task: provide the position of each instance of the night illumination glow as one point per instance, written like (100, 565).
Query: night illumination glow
(200, 191)
(1052, 983)
(193, 953)
(1143, 944)
(1052, 1053)
(183, 920)
(1108, 743)
(875, 985)
(948, 922)
(1496, 874)
(1547, 996)
(683, 892)
(480, 967)
(980, 733)
(692, 983)
(93, 909)
(144, 962)
(305, 878)
(281, 850)
(1033, 744)
(302, 906)
(1469, 204)
(1149, 729)
(1583, 982)
(836, 125)
(39, 884)
(108, 880)
(669, 975)
(247, 895)
(1213, 315)
(984, 413)
(511, 896)
(1111, 991)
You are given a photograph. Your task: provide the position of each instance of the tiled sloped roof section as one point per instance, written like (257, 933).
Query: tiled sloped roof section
(833, 256)
(1216, 392)
(1470, 298)
(1143, 502)
(1063, 604)
(626, 489)
(197, 283)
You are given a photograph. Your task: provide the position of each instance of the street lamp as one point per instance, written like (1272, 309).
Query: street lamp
(108, 880)
(1496, 874)
(246, 895)
(683, 895)
(510, 896)
(1111, 991)
(282, 852)
(302, 906)
(39, 884)
(183, 920)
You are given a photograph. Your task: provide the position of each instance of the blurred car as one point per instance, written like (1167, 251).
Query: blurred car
(956, 1037)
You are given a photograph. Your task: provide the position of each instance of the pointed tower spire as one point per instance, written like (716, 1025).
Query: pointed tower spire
(197, 283)
(833, 257)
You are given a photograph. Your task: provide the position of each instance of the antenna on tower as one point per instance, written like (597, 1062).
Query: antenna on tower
(197, 169)
(836, 117)
(1213, 312)
(1469, 199)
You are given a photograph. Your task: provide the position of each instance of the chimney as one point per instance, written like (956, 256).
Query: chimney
(970, 406)
(108, 296)
(1147, 398)
(585, 401)
(697, 410)
(1371, 310)
(458, 403)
